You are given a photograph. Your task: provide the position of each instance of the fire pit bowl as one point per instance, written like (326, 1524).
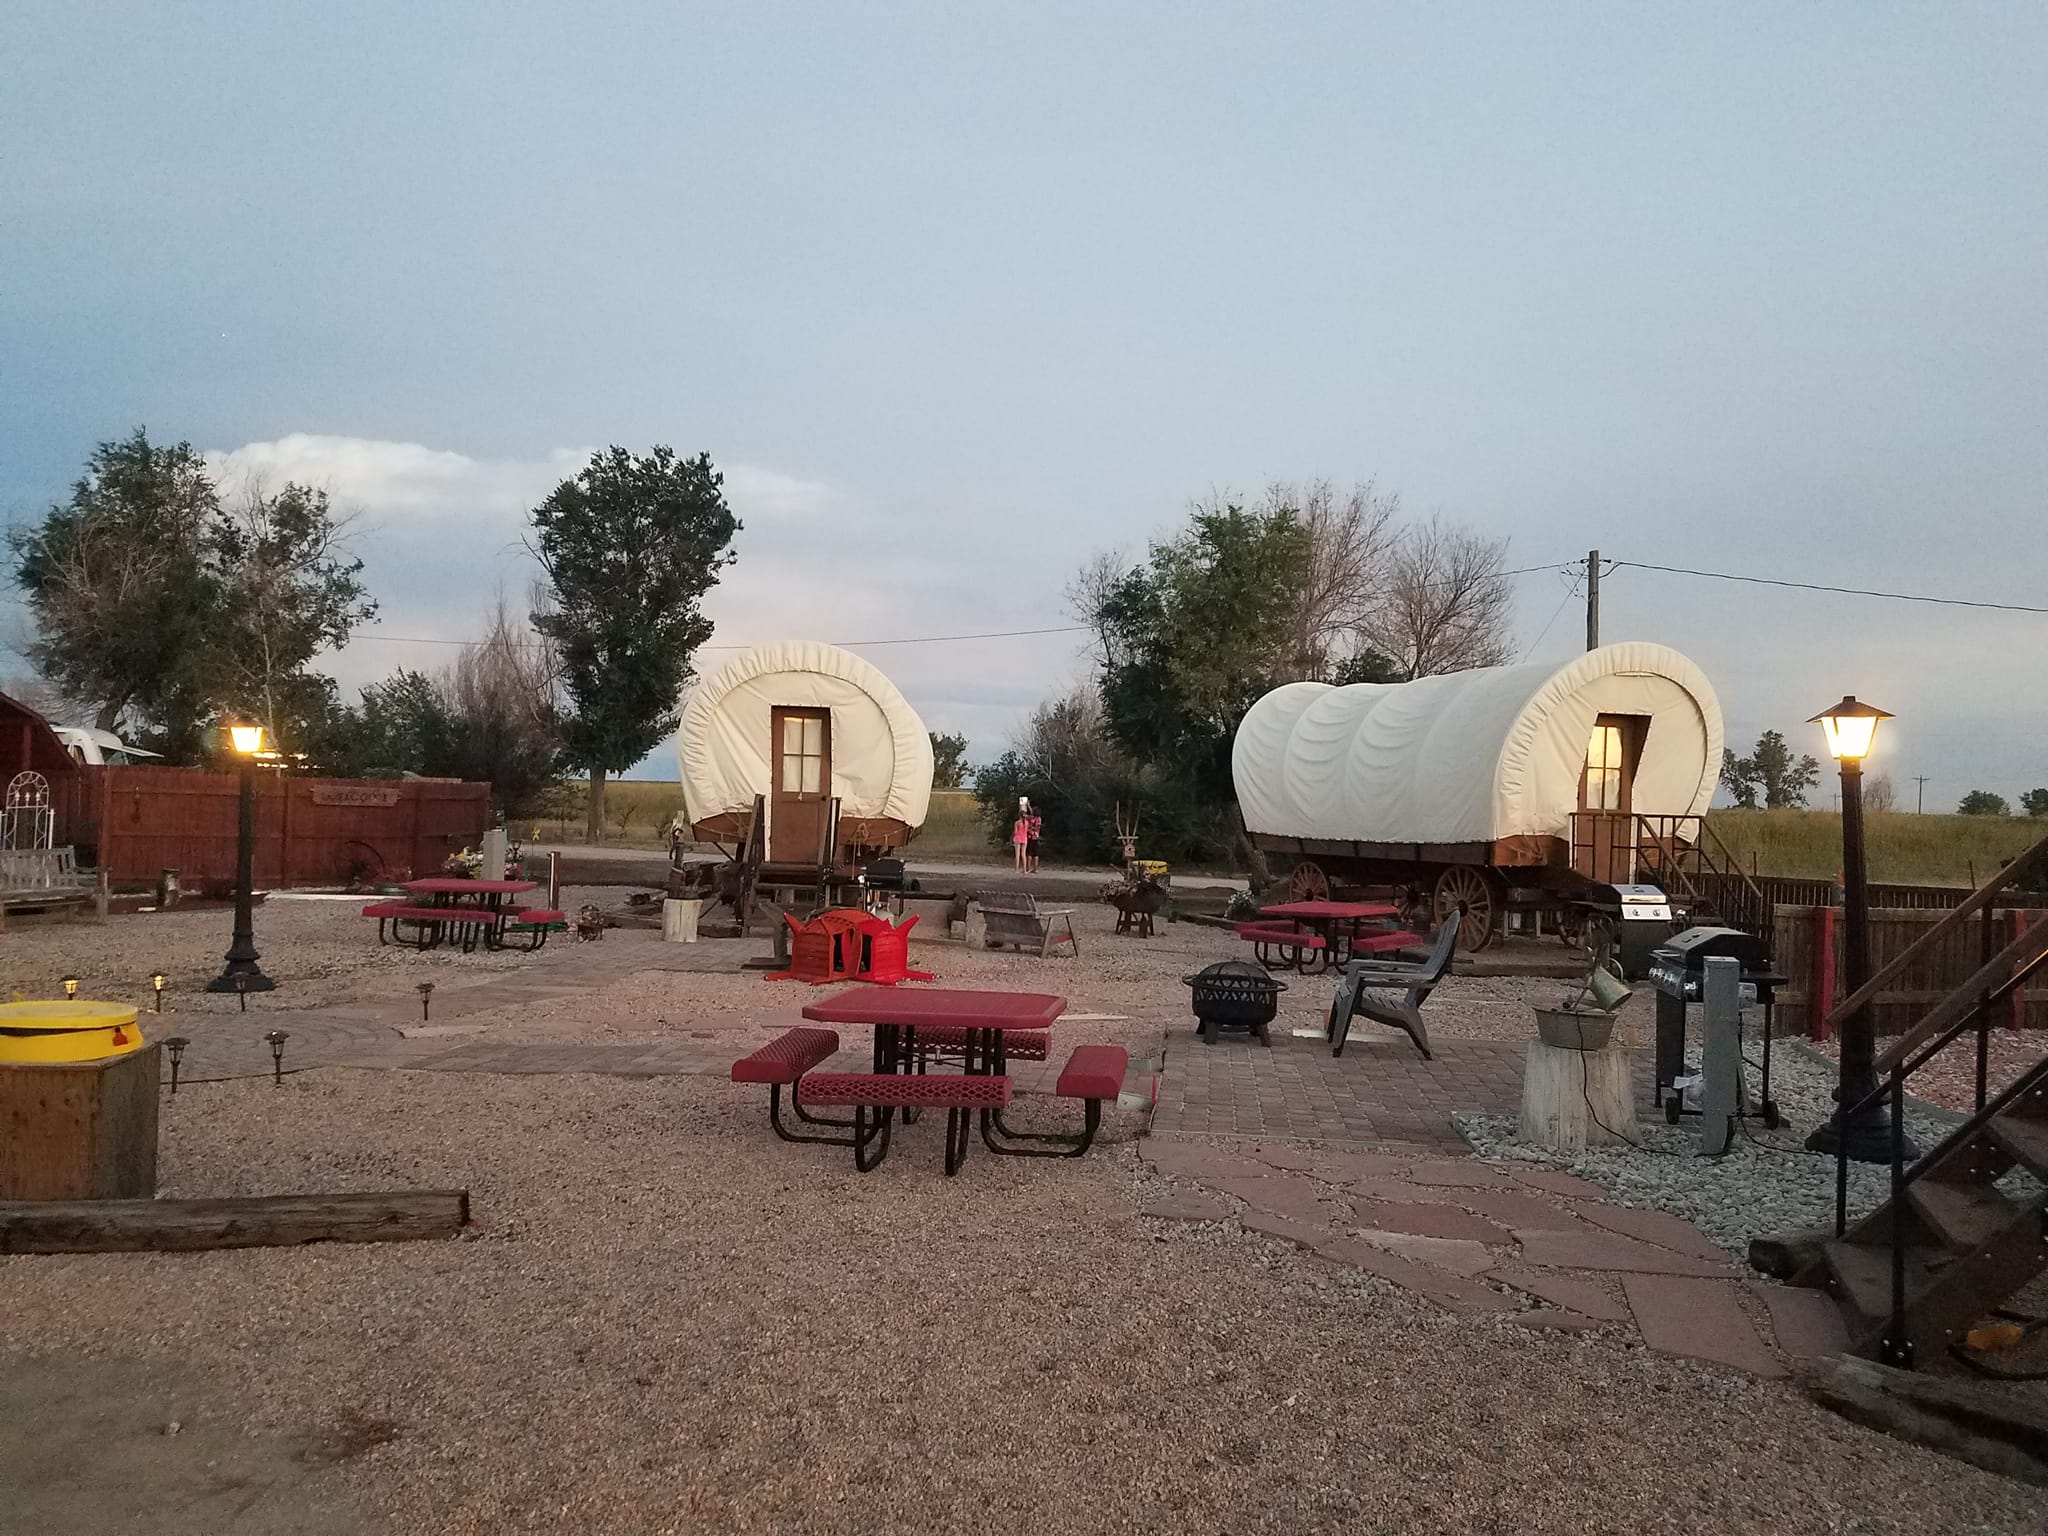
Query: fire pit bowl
(1235, 994)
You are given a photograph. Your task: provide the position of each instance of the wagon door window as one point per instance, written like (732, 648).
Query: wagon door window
(1604, 768)
(803, 754)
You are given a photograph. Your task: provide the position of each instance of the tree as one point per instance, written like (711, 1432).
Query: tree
(1192, 637)
(1448, 603)
(1982, 802)
(286, 589)
(1739, 778)
(949, 761)
(2035, 802)
(630, 547)
(1879, 795)
(118, 581)
(1770, 772)
(1349, 563)
(493, 717)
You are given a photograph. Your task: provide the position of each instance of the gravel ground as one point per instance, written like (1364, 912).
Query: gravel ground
(1950, 1079)
(664, 1320)
(323, 954)
(1766, 1184)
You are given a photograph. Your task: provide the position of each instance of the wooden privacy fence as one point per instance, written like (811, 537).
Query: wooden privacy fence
(1808, 951)
(135, 822)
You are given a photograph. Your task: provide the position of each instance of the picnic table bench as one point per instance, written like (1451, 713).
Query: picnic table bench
(982, 1030)
(466, 912)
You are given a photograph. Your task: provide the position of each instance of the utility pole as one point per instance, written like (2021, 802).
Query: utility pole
(1920, 798)
(1593, 600)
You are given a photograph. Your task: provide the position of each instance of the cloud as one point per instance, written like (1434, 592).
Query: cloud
(393, 480)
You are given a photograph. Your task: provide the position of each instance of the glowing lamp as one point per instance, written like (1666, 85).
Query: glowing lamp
(246, 737)
(1850, 728)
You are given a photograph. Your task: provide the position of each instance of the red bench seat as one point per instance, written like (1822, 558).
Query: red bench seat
(788, 1056)
(1018, 1044)
(905, 1090)
(1094, 1072)
(1382, 942)
(1280, 933)
(530, 917)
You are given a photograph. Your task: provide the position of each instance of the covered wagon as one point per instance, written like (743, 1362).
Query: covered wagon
(1537, 781)
(803, 762)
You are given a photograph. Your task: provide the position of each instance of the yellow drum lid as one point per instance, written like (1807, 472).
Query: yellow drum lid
(65, 1030)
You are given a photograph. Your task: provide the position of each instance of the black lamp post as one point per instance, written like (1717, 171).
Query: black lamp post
(1850, 728)
(241, 973)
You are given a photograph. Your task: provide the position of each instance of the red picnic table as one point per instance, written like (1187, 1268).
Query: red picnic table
(1334, 923)
(468, 909)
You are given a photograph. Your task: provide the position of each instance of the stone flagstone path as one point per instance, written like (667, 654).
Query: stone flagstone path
(1535, 1245)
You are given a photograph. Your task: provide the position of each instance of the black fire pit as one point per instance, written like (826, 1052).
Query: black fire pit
(1235, 994)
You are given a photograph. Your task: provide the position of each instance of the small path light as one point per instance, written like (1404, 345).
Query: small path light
(242, 991)
(175, 1044)
(426, 992)
(277, 1038)
(71, 986)
(156, 980)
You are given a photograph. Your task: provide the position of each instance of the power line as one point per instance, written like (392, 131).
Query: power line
(1814, 586)
(994, 634)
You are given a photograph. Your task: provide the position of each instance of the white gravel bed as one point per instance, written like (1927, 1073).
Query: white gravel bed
(1765, 1185)
(667, 1321)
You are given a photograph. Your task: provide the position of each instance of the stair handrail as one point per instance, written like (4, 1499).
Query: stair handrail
(2034, 858)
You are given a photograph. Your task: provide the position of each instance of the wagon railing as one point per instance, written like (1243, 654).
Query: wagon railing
(1682, 854)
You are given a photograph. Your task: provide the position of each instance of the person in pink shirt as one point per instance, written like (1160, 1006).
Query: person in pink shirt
(1020, 833)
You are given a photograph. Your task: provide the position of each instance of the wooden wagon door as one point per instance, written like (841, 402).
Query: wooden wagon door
(1604, 848)
(803, 784)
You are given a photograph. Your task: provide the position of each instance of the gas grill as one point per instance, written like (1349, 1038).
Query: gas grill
(1678, 974)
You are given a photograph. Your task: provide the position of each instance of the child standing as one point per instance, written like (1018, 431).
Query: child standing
(1033, 825)
(1020, 833)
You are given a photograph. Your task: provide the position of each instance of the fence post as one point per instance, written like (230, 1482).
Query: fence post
(2016, 1004)
(1820, 987)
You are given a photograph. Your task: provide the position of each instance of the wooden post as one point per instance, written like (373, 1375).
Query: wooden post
(679, 920)
(2016, 1005)
(79, 1130)
(1820, 986)
(101, 895)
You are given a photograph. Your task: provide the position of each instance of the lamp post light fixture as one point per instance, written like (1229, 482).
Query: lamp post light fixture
(426, 992)
(1851, 730)
(175, 1044)
(156, 980)
(241, 973)
(277, 1038)
(70, 986)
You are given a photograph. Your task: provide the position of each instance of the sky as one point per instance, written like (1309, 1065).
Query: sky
(958, 294)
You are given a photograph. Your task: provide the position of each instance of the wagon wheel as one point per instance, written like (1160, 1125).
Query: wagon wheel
(1308, 882)
(1476, 888)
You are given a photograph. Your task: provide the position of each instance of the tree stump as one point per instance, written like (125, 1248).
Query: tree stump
(679, 920)
(1572, 1100)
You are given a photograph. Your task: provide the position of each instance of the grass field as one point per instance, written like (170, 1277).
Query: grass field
(1903, 849)
(636, 811)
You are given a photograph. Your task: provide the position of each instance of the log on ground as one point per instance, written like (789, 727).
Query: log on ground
(258, 1221)
(1989, 1425)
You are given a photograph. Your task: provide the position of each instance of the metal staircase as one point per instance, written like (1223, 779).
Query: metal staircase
(1958, 1233)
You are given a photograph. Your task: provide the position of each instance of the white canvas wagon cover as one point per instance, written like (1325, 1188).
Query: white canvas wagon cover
(1471, 756)
(881, 753)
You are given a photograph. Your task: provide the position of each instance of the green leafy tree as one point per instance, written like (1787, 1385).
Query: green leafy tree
(2035, 802)
(630, 547)
(1188, 642)
(1738, 777)
(1982, 802)
(119, 583)
(949, 761)
(286, 589)
(1770, 774)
